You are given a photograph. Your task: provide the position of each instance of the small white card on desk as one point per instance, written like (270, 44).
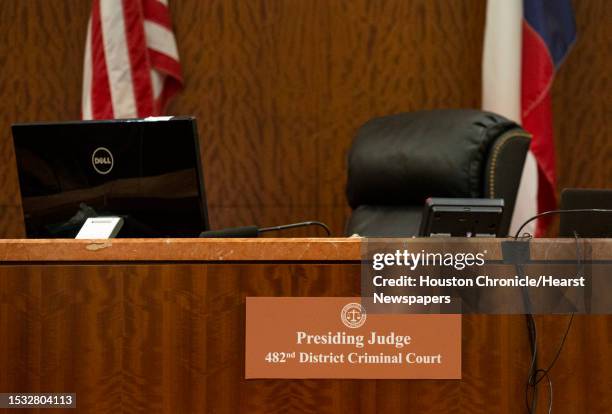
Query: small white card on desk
(100, 228)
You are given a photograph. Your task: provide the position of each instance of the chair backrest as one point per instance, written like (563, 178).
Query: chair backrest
(397, 161)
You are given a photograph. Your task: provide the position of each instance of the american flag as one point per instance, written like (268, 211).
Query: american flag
(131, 66)
(525, 42)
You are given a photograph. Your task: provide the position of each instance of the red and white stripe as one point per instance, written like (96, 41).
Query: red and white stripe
(501, 92)
(131, 67)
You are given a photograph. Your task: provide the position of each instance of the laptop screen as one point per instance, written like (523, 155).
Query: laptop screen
(146, 171)
(586, 224)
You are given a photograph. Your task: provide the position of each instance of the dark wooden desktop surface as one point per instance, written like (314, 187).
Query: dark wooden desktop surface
(158, 326)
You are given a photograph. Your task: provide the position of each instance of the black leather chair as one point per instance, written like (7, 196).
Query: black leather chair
(397, 161)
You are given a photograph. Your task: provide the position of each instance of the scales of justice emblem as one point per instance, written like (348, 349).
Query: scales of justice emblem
(353, 315)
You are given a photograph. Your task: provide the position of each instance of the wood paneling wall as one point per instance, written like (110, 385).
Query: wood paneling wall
(582, 101)
(279, 88)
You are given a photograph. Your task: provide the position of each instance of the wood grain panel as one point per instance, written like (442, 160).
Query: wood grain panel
(313, 250)
(170, 338)
(582, 102)
(11, 221)
(152, 338)
(250, 82)
(582, 354)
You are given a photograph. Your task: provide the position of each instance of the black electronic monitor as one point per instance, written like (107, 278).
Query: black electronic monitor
(147, 171)
(585, 224)
(462, 217)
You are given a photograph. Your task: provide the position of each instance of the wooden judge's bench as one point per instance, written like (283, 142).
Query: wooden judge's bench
(158, 326)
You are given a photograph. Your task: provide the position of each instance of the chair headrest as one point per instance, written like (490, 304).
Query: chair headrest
(405, 158)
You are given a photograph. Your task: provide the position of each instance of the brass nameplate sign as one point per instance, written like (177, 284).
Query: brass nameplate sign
(288, 337)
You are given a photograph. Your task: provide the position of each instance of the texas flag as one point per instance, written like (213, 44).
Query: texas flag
(525, 42)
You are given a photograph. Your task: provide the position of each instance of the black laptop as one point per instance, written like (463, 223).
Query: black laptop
(147, 171)
(587, 224)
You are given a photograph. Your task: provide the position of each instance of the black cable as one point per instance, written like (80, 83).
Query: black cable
(536, 375)
(559, 349)
(294, 225)
(253, 231)
(550, 212)
(569, 323)
(550, 389)
(534, 379)
(533, 369)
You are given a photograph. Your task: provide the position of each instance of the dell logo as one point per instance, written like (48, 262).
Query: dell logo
(102, 160)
